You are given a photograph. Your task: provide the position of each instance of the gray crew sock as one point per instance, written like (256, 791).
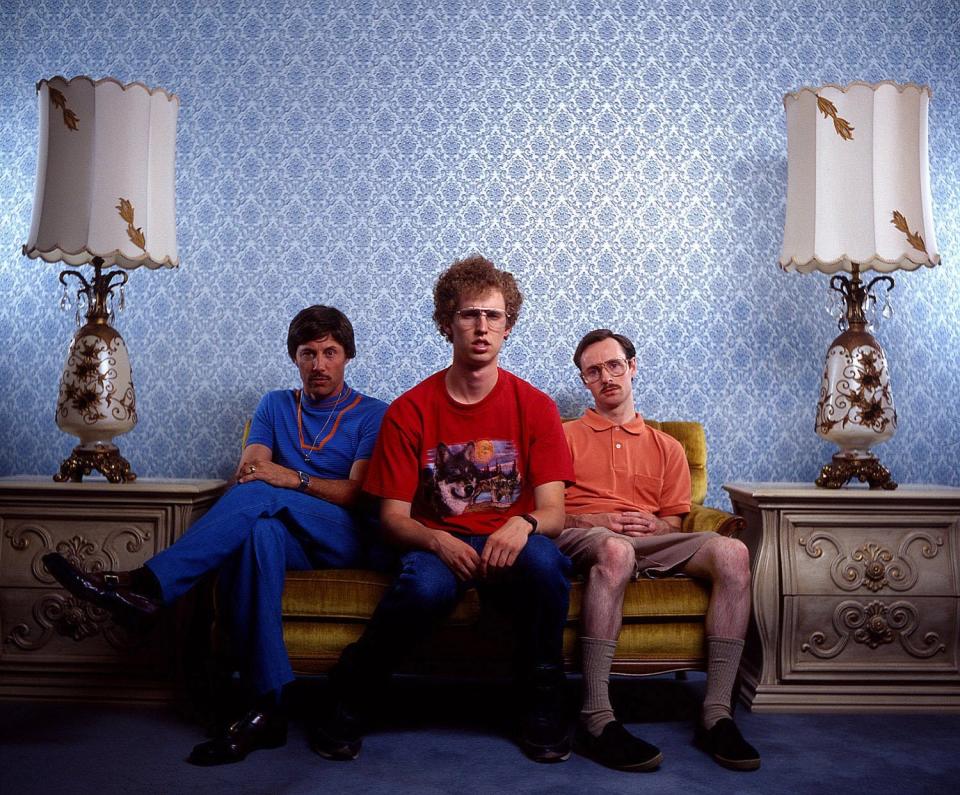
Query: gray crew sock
(723, 662)
(597, 654)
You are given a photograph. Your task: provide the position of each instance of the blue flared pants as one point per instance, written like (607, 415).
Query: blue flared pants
(252, 536)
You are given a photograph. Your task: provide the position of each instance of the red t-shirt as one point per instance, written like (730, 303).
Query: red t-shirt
(466, 468)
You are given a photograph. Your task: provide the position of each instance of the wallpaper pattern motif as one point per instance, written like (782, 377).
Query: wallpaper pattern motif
(626, 160)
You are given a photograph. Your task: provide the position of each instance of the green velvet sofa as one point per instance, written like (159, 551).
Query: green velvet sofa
(663, 624)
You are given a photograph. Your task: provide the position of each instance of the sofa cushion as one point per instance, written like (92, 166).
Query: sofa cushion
(353, 594)
(325, 610)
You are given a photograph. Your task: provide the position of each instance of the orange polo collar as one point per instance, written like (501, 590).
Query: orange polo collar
(597, 422)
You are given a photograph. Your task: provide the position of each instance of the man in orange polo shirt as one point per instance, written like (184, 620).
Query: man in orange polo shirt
(623, 520)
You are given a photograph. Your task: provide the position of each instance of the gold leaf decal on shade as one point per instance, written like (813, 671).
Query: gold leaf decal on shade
(58, 100)
(125, 208)
(913, 238)
(842, 126)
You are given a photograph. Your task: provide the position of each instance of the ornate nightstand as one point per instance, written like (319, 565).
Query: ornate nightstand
(856, 597)
(52, 645)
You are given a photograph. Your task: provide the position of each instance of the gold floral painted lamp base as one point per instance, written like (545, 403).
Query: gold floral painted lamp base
(96, 401)
(856, 410)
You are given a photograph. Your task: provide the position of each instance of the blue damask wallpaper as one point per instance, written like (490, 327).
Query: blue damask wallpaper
(626, 160)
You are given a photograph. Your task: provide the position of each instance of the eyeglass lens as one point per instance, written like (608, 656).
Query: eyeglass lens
(616, 367)
(495, 317)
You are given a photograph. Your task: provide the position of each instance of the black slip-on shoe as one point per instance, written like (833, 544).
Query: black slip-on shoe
(253, 732)
(727, 747)
(617, 748)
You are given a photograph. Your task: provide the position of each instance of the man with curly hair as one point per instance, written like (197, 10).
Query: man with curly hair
(470, 466)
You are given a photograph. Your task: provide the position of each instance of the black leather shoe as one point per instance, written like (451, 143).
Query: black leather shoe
(254, 731)
(109, 590)
(727, 747)
(617, 748)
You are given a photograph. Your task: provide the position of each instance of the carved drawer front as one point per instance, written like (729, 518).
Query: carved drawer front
(869, 554)
(41, 621)
(52, 627)
(92, 543)
(53, 645)
(869, 637)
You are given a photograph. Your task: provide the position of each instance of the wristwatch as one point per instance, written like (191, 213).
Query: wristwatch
(304, 481)
(533, 523)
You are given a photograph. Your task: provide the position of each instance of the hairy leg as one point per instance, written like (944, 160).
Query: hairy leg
(725, 562)
(602, 615)
(602, 610)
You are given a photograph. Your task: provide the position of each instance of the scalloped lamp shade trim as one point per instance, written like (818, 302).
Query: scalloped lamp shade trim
(858, 179)
(105, 174)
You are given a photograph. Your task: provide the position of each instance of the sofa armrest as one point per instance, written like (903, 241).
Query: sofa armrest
(701, 519)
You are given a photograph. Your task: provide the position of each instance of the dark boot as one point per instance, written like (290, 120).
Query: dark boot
(545, 733)
(353, 685)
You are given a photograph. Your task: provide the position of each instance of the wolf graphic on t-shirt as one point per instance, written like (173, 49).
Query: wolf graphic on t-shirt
(479, 475)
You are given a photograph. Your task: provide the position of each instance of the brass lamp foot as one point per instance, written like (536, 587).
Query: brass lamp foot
(869, 470)
(104, 458)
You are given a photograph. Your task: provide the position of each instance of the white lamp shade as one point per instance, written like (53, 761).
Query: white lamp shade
(105, 174)
(858, 179)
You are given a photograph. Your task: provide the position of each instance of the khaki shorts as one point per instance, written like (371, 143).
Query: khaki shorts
(656, 555)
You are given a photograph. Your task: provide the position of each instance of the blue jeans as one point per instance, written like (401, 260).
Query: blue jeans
(252, 536)
(535, 591)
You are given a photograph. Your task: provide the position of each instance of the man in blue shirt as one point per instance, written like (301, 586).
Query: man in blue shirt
(298, 479)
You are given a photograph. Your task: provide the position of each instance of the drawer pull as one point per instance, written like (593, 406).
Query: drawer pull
(874, 624)
(873, 566)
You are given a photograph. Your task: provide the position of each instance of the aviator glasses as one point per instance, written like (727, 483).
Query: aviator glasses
(616, 367)
(471, 316)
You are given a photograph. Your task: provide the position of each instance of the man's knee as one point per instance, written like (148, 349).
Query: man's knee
(425, 582)
(615, 560)
(242, 495)
(731, 561)
(268, 535)
(543, 562)
(542, 567)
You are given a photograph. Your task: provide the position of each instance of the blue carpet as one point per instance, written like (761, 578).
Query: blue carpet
(447, 738)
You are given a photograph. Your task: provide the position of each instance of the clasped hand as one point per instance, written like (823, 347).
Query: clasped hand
(499, 553)
(267, 471)
(631, 523)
